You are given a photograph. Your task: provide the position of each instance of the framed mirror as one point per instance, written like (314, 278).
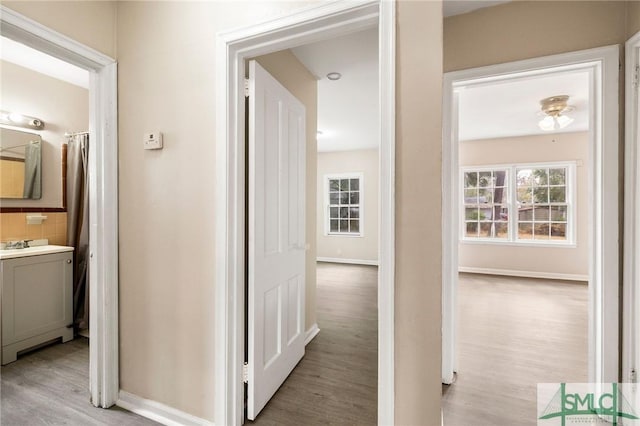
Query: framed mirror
(20, 164)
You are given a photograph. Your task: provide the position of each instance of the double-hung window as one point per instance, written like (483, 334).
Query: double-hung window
(519, 203)
(344, 204)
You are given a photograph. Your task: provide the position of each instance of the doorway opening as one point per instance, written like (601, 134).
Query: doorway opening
(341, 212)
(521, 204)
(103, 179)
(321, 23)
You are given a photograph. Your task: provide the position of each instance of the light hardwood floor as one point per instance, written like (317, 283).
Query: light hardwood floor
(50, 386)
(336, 381)
(514, 333)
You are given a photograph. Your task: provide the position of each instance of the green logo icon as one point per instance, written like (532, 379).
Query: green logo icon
(581, 403)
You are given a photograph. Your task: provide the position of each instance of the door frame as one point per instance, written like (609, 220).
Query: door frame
(602, 64)
(103, 193)
(309, 25)
(631, 272)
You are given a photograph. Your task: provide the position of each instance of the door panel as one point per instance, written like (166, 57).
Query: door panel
(276, 237)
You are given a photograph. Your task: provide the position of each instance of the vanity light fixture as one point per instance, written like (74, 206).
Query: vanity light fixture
(19, 120)
(333, 76)
(555, 109)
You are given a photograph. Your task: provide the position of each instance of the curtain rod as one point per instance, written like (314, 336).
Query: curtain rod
(75, 134)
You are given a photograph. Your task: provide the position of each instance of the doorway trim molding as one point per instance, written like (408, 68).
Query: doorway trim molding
(103, 198)
(233, 47)
(631, 272)
(602, 64)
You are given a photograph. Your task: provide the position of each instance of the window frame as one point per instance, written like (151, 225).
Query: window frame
(327, 204)
(512, 204)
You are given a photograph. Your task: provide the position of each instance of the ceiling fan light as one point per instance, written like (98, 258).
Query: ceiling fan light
(547, 124)
(563, 121)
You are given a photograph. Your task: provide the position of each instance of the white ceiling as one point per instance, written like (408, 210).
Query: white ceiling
(458, 7)
(500, 110)
(347, 108)
(35, 60)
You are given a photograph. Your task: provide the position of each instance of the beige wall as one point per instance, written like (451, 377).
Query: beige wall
(166, 82)
(167, 210)
(89, 22)
(418, 213)
(528, 29)
(290, 72)
(345, 247)
(62, 106)
(532, 149)
(633, 17)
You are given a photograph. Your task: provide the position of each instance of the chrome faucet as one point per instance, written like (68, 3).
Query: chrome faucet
(22, 244)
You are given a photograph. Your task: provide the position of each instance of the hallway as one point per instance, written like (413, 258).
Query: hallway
(336, 381)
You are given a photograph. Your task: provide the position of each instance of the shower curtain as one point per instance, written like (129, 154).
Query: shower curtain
(78, 224)
(32, 180)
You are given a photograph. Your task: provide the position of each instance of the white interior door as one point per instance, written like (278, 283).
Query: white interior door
(276, 239)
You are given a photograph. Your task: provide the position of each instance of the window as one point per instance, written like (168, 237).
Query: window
(344, 212)
(520, 203)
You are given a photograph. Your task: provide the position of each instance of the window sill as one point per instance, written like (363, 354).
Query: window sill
(338, 234)
(547, 244)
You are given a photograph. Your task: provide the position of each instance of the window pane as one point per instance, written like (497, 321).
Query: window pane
(355, 212)
(525, 231)
(540, 177)
(525, 195)
(485, 196)
(344, 226)
(344, 212)
(470, 179)
(355, 184)
(559, 213)
(502, 230)
(334, 185)
(524, 177)
(525, 213)
(471, 196)
(500, 195)
(557, 194)
(472, 229)
(355, 225)
(485, 179)
(344, 184)
(334, 225)
(344, 198)
(557, 176)
(473, 213)
(558, 231)
(333, 212)
(540, 195)
(333, 198)
(541, 213)
(355, 198)
(540, 231)
(486, 230)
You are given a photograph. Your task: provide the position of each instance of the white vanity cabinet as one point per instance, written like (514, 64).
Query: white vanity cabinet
(37, 298)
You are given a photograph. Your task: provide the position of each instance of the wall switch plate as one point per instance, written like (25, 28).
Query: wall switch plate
(153, 140)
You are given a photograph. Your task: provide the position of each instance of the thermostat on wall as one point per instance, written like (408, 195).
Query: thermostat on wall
(153, 140)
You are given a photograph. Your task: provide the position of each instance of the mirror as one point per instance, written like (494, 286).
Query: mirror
(20, 164)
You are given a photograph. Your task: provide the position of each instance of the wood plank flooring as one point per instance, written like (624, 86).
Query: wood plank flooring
(514, 333)
(50, 386)
(336, 381)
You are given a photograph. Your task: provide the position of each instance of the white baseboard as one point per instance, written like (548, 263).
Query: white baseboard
(350, 261)
(526, 274)
(311, 333)
(158, 412)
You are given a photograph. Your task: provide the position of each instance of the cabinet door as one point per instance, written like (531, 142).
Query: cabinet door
(36, 295)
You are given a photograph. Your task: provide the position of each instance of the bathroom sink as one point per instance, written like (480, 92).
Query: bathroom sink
(32, 251)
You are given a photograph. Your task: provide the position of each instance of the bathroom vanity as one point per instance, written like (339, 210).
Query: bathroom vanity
(37, 297)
